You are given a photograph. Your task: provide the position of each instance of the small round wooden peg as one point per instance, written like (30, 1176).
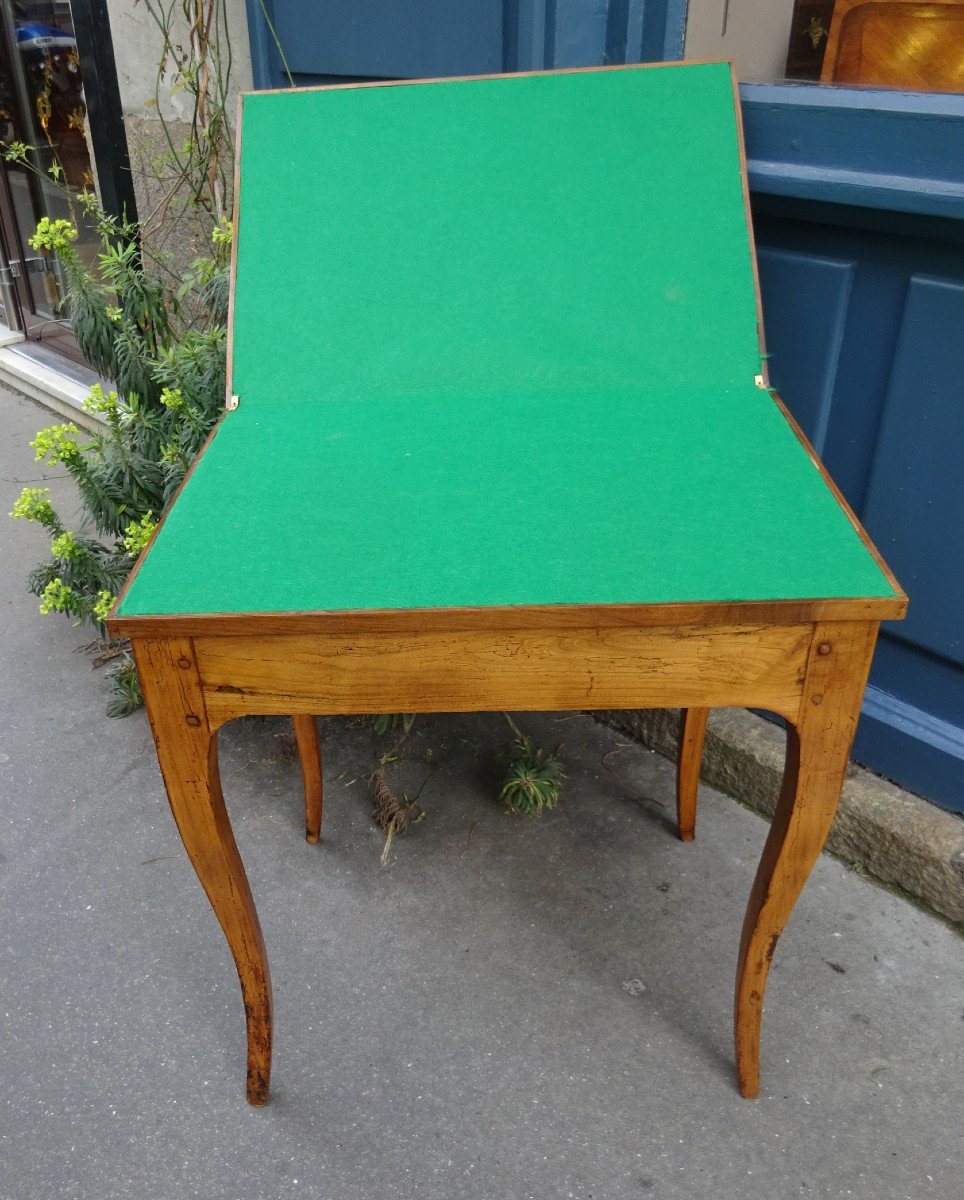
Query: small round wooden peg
(824, 648)
(184, 663)
(193, 720)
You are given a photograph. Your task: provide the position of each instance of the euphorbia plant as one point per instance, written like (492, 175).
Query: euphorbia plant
(164, 348)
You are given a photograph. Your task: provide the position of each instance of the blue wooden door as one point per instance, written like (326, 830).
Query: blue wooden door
(858, 201)
(383, 39)
(859, 215)
(388, 38)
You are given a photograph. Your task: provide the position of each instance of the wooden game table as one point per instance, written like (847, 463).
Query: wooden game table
(499, 436)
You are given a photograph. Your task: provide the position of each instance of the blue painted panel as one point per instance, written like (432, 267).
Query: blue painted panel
(930, 682)
(576, 33)
(525, 34)
(664, 29)
(900, 152)
(805, 304)
(624, 30)
(644, 30)
(912, 726)
(892, 439)
(915, 503)
(391, 38)
(884, 262)
(266, 69)
(410, 38)
(908, 744)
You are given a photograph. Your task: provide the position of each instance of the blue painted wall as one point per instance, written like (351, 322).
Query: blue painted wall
(858, 202)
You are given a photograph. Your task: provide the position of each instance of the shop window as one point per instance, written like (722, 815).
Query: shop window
(42, 105)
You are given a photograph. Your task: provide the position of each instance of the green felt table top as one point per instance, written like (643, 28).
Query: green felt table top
(495, 344)
(509, 235)
(482, 501)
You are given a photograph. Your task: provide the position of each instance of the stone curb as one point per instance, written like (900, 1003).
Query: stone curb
(891, 834)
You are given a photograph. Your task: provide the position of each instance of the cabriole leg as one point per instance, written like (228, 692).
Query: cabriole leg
(818, 748)
(188, 757)
(692, 731)
(309, 754)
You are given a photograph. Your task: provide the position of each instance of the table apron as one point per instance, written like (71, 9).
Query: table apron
(516, 669)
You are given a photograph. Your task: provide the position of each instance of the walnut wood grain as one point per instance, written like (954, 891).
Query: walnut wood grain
(309, 755)
(691, 734)
(188, 758)
(818, 747)
(473, 670)
(522, 616)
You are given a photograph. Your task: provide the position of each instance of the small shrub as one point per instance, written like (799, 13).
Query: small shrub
(162, 342)
(534, 778)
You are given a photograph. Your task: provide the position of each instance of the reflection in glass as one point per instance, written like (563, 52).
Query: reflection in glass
(42, 104)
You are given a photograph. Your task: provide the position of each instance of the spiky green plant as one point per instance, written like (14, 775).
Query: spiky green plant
(534, 778)
(125, 690)
(164, 349)
(383, 723)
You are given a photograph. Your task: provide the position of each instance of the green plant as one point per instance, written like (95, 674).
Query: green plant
(533, 779)
(531, 786)
(383, 723)
(125, 692)
(160, 337)
(165, 350)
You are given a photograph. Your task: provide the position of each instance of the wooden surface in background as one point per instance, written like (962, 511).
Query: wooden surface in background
(905, 44)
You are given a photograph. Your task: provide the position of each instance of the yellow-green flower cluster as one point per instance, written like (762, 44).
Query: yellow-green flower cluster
(56, 597)
(222, 234)
(66, 546)
(97, 402)
(170, 454)
(16, 151)
(32, 505)
(173, 398)
(139, 534)
(53, 235)
(56, 444)
(102, 606)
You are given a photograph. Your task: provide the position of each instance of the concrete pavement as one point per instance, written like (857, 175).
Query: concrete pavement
(511, 1009)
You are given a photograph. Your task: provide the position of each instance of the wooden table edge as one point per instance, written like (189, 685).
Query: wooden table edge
(516, 617)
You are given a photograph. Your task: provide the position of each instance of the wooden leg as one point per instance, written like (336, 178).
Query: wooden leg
(309, 753)
(692, 730)
(817, 754)
(187, 753)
